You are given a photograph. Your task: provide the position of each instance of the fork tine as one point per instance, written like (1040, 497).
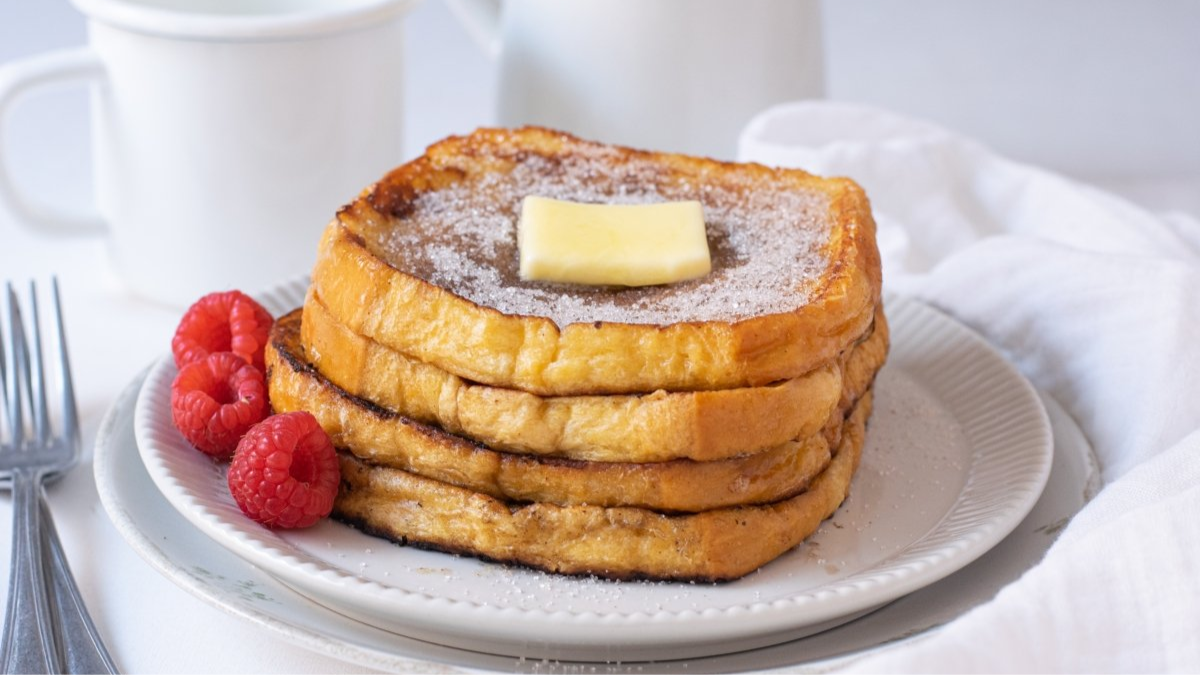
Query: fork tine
(37, 376)
(70, 413)
(15, 345)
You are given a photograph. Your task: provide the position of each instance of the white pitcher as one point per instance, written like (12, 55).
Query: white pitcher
(678, 75)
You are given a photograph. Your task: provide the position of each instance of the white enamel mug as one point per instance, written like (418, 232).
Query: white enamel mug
(226, 133)
(678, 75)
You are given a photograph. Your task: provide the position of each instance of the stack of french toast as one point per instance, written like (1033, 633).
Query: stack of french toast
(687, 431)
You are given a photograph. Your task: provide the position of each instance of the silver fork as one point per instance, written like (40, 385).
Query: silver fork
(46, 629)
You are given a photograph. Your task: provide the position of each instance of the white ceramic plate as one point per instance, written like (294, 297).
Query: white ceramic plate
(958, 452)
(183, 554)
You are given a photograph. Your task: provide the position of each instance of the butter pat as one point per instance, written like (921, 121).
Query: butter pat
(612, 244)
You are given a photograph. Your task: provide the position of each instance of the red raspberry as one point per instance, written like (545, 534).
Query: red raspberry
(222, 322)
(216, 400)
(285, 472)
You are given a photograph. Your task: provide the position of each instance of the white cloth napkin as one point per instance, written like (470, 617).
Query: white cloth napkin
(1098, 303)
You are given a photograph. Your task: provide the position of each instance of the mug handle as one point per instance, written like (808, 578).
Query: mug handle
(17, 79)
(481, 18)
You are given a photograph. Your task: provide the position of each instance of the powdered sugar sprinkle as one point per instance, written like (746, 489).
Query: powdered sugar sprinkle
(765, 239)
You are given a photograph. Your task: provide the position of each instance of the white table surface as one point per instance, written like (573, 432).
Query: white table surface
(114, 335)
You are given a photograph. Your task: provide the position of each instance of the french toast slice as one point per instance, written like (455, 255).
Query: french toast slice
(382, 437)
(425, 262)
(617, 542)
(661, 426)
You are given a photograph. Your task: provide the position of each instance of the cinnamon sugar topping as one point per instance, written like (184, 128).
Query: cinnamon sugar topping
(766, 239)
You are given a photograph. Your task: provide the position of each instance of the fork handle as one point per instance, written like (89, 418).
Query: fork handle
(83, 650)
(28, 642)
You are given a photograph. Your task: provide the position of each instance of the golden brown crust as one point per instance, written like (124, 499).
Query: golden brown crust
(383, 437)
(402, 311)
(620, 542)
(702, 425)
(690, 393)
